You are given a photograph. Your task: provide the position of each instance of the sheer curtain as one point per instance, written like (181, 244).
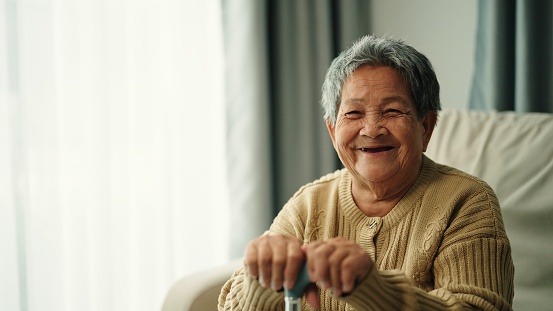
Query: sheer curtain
(112, 132)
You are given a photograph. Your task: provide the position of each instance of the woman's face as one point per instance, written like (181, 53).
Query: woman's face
(377, 134)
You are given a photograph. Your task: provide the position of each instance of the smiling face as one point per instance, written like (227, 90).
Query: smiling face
(377, 134)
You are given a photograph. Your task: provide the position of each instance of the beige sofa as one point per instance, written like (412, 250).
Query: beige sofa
(513, 152)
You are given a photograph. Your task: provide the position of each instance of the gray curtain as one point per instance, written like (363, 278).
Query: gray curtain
(304, 37)
(277, 53)
(514, 56)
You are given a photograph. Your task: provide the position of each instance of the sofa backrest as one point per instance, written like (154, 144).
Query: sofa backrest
(513, 153)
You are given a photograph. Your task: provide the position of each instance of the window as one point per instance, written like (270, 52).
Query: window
(112, 140)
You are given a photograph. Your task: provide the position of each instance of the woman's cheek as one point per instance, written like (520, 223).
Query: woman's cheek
(348, 155)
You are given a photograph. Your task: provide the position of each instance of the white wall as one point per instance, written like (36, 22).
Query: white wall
(443, 30)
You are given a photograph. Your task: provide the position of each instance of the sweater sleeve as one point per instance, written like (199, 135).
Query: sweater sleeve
(245, 293)
(460, 283)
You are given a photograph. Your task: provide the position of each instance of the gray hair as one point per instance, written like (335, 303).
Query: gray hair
(413, 66)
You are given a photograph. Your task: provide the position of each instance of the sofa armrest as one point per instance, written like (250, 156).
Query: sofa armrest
(199, 291)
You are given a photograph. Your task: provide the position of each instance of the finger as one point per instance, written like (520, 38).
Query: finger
(264, 261)
(319, 258)
(294, 260)
(347, 277)
(336, 269)
(307, 249)
(250, 260)
(278, 263)
(354, 270)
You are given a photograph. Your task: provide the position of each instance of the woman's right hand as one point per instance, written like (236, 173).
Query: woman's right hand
(275, 260)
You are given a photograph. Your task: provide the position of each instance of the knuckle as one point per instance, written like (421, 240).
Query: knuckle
(334, 261)
(263, 240)
(294, 256)
(278, 261)
(265, 260)
(320, 251)
(248, 261)
(348, 266)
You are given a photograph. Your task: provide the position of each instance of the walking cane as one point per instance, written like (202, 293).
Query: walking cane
(292, 297)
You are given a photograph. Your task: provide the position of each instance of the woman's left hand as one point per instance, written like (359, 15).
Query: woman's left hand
(337, 263)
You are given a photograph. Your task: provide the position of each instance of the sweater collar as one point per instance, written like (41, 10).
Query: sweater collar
(410, 200)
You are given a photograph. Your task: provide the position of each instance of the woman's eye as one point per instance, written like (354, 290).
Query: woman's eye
(392, 112)
(355, 114)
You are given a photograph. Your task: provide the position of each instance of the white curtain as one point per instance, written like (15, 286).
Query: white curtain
(112, 135)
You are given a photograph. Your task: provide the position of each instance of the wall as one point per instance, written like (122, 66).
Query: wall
(443, 30)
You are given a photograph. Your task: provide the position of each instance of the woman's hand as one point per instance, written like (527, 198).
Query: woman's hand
(338, 264)
(274, 260)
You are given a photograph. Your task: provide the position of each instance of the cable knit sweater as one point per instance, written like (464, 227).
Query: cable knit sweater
(442, 247)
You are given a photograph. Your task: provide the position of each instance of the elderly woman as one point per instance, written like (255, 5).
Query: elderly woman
(393, 230)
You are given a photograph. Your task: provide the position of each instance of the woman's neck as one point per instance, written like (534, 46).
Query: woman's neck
(378, 199)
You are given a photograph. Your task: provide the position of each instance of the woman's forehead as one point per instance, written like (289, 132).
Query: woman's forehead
(380, 84)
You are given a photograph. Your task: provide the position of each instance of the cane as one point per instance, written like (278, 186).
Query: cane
(292, 296)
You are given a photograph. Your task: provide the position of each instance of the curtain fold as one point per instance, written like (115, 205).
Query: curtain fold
(247, 148)
(514, 56)
(277, 53)
(304, 37)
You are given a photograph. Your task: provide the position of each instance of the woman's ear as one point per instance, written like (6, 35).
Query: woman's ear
(429, 122)
(330, 129)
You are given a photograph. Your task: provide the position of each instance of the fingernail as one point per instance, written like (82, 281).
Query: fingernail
(287, 285)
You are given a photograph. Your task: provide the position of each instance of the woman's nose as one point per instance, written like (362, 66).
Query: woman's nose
(373, 126)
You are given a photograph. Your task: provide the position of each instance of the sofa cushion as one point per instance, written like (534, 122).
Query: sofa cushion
(513, 152)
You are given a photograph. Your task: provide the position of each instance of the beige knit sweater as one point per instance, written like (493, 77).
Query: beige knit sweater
(442, 247)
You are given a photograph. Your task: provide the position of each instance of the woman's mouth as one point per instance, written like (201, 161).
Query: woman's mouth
(376, 149)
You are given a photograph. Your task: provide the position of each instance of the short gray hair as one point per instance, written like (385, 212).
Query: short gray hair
(413, 66)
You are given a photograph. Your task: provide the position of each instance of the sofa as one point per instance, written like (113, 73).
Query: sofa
(513, 152)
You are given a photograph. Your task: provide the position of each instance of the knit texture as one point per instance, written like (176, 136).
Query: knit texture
(442, 247)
